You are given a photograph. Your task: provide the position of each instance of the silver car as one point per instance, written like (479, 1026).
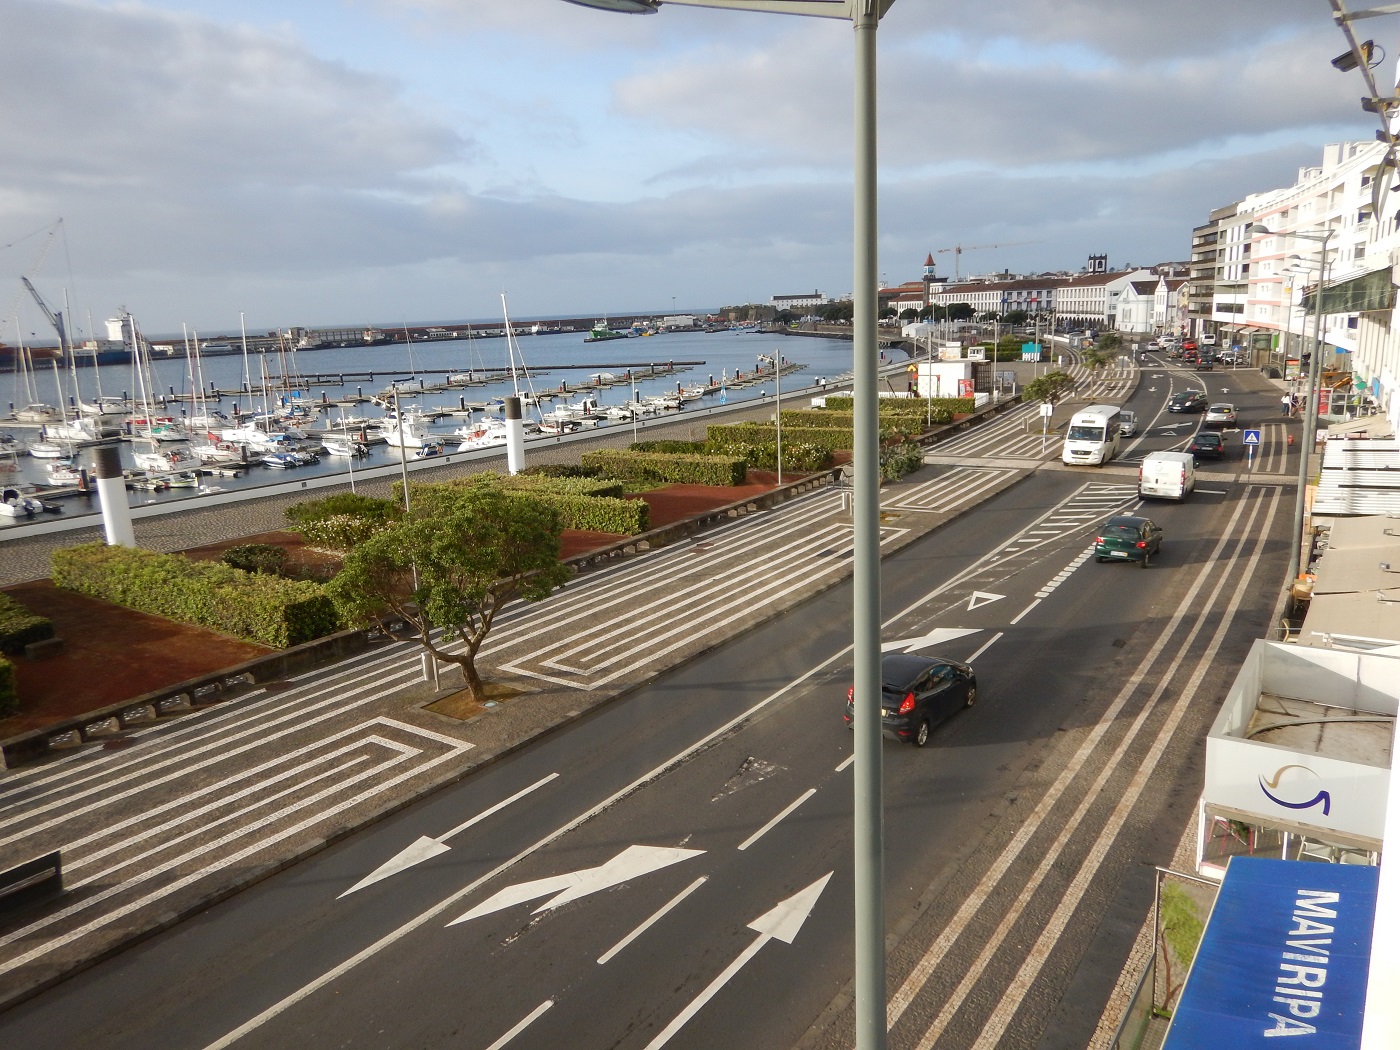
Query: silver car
(1127, 423)
(1220, 415)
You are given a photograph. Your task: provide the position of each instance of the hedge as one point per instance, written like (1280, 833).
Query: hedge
(268, 610)
(589, 504)
(912, 406)
(898, 460)
(19, 626)
(832, 439)
(256, 557)
(800, 457)
(686, 468)
(9, 699)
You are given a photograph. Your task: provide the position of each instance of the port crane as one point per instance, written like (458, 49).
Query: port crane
(958, 249)
(55, 317)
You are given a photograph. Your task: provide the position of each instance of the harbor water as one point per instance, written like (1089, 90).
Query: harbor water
(335, 384)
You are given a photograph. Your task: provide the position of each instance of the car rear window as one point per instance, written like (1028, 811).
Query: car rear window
(1121, 532)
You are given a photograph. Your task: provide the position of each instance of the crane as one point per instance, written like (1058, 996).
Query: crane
(958, 249)
(55, 319)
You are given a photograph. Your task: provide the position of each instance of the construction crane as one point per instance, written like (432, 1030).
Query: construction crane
(55, 319)
(958, 249)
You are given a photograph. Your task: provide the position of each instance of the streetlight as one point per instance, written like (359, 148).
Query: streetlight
(1310, 393)
(777, 358)
(864, 16)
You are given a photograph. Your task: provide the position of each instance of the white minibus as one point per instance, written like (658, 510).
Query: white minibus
(1093, 435)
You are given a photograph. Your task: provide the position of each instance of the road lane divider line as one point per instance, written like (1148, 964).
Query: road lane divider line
(975, 900)
(777, 819)
(524, 1023)
(1079, 885)
(651, 920)
(985, 646)
(1021, 615)
(845, 763)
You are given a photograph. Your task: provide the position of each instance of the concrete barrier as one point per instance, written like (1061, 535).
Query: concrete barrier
(31, 882)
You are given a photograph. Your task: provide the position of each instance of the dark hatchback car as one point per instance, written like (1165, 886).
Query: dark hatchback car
(1187, 401)
(918, 692)
(1207, 444)
(1128, 538)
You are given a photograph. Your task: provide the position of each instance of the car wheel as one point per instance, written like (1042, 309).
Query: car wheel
(921, 733)
(971, 694)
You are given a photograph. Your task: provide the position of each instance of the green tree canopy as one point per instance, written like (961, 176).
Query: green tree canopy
(1052, 387)
(1015, 317)
(474, 548)
(961, 312)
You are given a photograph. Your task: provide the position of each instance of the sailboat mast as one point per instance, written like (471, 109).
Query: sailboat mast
(247, 376)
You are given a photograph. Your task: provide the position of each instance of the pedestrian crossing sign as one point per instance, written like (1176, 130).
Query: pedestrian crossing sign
(1251, 437)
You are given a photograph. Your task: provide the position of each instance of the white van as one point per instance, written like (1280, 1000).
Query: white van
(1167, 475)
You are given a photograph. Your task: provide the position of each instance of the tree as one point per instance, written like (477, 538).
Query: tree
(1096, 357)
(909, 314)
(961, 312)
(473, 548)
(1052, 387)
(1015, 317)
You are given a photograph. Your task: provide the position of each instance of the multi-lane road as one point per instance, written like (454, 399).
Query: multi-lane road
(675, 869)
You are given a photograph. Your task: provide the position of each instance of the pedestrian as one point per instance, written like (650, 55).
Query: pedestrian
(1287, 400)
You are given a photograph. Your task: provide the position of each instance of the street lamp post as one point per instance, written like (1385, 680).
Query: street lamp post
(777, 358)
(1310, 393)
(864, 16)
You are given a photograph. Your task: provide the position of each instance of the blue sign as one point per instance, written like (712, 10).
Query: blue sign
(1286, 953)
(1251, 437)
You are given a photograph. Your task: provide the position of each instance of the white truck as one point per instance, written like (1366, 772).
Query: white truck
(1167, 475)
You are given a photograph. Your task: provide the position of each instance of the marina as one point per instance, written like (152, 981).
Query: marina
(248, 423)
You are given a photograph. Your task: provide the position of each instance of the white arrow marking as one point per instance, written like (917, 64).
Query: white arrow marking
(937, 636)
(980, 598)
(631, 862)
(426, 849)
(782, 922)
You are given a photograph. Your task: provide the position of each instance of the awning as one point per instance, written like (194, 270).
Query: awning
(1371, 292)
(1286, 952)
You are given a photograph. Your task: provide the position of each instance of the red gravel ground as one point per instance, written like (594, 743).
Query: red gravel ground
(112, 654)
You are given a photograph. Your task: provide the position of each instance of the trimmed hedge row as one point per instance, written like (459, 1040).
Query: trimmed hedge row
(9, 698)
(685, 468)
(831, 439)
(911, 406)
(19, 626)
(258, 608)
(577, 510)
(800, 457)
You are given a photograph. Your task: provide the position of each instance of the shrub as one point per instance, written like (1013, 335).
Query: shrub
(898, 460)
(9, 698)
(798, 456)
(586, 503)
(351, 503)
(668, 446)
(341, 532)
(19, 626)
(256, 557)
(558, 470)
(264, 609)
(668, 468)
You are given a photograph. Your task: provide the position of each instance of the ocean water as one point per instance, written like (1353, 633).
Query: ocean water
(544, 363)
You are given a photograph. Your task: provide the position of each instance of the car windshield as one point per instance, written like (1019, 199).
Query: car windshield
(1082, 433)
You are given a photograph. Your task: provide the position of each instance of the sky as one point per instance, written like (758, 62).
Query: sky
(347, 162)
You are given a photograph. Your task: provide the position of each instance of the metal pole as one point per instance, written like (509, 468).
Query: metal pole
(778, 382)
(868, 771)
(1309, 420)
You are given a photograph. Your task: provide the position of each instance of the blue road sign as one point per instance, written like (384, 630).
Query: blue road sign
(1251, 437)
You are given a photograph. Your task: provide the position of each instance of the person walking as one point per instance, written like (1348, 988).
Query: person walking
(1287, 401)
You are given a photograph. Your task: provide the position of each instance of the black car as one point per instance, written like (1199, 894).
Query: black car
(1207, 444)
(918, 692)
(1187, 401)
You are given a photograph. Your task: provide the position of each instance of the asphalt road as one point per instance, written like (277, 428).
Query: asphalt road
(679, 839)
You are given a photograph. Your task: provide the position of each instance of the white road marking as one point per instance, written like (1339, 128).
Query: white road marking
(781, 923)
(1020, 615)
(660, 913)
(631, 863)
(981, 598)
(524, 1023)
(987, 645)
(774, 822)
(427, 848)
(937, 636)
(978, 898)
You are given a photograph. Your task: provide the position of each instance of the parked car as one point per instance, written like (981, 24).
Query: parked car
(1127, 423)
(1221, 414)
(918, 692)
(1205, 363)
(1187, 401)
(1207, 444)
(1126, 537)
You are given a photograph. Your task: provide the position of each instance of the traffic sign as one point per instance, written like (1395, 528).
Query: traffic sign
(1251, 437)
